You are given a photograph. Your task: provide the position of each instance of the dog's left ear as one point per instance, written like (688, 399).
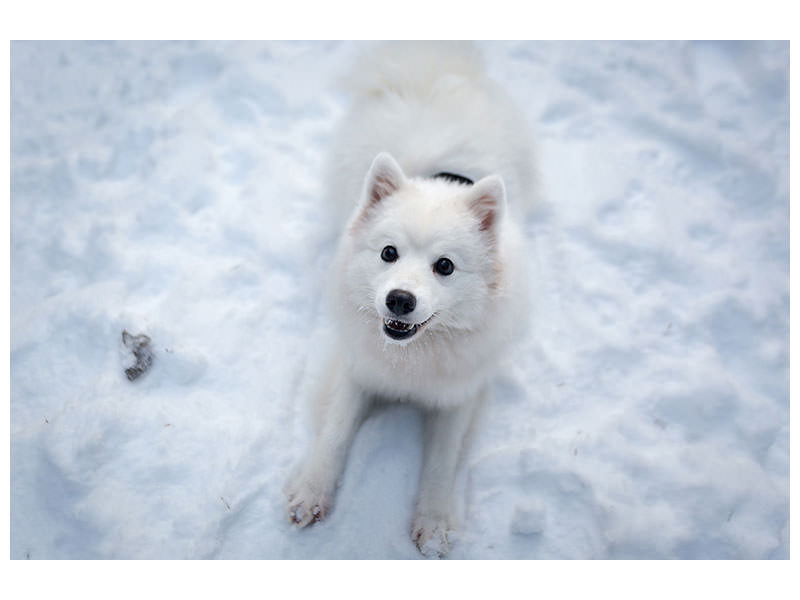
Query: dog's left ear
(385, 177)
(487, 200)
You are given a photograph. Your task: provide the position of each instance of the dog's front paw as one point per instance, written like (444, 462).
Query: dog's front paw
(429, 533)
(307, 504)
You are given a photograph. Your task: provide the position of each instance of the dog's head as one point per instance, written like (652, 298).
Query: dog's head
(423, 252)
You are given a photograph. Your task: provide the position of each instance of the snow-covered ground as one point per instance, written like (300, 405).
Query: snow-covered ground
(172, 189)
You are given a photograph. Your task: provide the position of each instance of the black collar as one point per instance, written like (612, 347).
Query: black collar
(454, 177)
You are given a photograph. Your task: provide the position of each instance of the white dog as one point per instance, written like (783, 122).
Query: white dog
(433, 163)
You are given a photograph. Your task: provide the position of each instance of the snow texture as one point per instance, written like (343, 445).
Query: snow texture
(172, 190)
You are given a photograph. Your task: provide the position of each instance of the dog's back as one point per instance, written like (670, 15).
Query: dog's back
(432, 106)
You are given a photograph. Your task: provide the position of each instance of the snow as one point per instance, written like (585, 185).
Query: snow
(171, 190)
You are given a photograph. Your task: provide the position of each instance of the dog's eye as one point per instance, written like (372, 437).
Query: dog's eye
(389, 254)
(444, 266)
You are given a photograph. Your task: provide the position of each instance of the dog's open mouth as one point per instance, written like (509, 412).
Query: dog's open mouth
(400, 330)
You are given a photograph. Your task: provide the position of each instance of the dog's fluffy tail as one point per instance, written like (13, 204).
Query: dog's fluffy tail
(411, 67)
(394, 84)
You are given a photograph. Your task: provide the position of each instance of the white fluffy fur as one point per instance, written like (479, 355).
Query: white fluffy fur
(420, 109)
(433, 108)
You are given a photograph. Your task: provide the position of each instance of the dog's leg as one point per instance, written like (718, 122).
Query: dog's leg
(343, 406)
(445, 435)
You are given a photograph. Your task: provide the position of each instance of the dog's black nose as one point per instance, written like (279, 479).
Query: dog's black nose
(400, 302)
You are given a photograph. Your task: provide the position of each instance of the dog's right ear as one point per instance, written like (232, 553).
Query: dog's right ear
(384, 178)
(488, 202)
